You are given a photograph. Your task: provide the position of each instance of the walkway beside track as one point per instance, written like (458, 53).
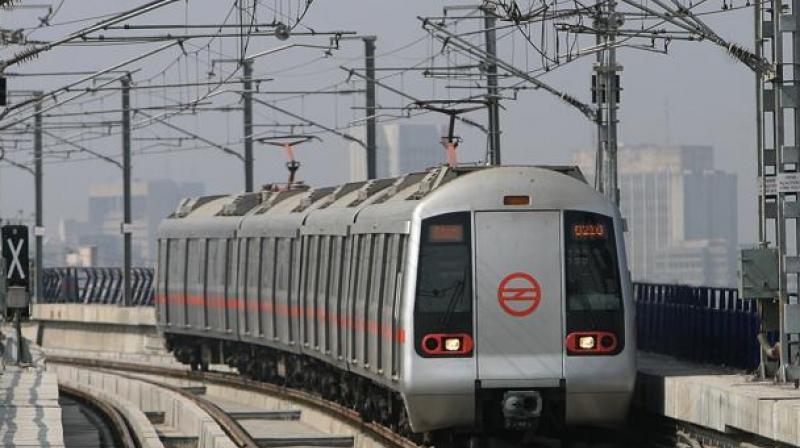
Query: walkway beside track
(30, 415)
(719, 399)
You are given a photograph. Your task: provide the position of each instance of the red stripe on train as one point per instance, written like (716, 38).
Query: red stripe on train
(284, 310)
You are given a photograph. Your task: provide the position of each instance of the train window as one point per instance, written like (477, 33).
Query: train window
(341, 277)
(267, 283)
(592, 270)
(163, 281)
(397, 305)
(322, 294)
(444, 278)
(593, 286)
(175, 287)
(253, 285)
(212, 264)
(230, 289)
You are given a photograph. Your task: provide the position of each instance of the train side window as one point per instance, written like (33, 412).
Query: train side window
(355, 264)
(267, 283)
(211, 275)
(192, 265)
(341, 278)
(204, 281)
(294, 284)
(253, 285)
(161, 296)
(364, 287)
(302, 298)
(161, 264)
(175, 285)
(282, 278)
(241, 283)
(311, 272)
(397, 330)
(183, 260)
(201, 261)
(321, 297)
(174, 273)
(230, 289)
(374, 302)
(212, 280)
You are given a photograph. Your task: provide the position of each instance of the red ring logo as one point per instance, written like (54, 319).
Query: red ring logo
(519, 294)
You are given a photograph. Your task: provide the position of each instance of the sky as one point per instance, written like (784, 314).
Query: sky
(696, 94)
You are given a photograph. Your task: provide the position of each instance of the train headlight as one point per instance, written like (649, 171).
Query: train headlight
(452, 344)
(586, 342)
(591, 343)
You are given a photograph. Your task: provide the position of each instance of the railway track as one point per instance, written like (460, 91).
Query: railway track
(92, 422)
(254, 426)
(249, 426)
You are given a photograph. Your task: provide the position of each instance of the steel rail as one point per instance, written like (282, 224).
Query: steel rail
(125, 436)
(232, 428)
(381, 433)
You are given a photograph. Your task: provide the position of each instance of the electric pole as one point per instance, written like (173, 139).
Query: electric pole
(247, 95)
(605, 92)
(369, 55)
(126, 190)
(38, 174)
(492, 96)
(778, 168)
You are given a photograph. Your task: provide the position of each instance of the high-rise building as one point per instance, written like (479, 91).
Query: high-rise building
(401, 148)
(680, 213)
(150, 203)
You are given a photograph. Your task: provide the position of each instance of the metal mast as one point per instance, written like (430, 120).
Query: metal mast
(247, 95)
(38, 174)
(605, 92)
(492, 94)
(126, 190)
(778, 167)
(372, 150)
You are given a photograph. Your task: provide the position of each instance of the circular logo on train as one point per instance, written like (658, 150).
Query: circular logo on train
(519, 294)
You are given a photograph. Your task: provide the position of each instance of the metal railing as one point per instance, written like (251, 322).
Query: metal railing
(698, 324)
(96, 285)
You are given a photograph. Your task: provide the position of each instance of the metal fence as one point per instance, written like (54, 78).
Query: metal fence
(703, 325)
(96, 285)
(699, 324)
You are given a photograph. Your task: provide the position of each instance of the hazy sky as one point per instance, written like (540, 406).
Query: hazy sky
(694, 95)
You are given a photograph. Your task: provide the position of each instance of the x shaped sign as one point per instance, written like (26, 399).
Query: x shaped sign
(15, 263)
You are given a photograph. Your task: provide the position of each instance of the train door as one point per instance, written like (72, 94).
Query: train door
(518, 293)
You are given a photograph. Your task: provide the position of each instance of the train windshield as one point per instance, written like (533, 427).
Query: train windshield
(444, 276)
(593, 285)
(592, 268)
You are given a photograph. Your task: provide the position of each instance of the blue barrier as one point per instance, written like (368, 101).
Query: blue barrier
(698, 324)
(96, 286)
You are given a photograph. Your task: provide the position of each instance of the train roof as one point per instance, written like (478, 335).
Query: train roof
(281, 212)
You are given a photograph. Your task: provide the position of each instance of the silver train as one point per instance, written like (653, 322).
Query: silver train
(456, 301)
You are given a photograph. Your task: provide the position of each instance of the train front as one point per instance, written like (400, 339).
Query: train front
(520, 306)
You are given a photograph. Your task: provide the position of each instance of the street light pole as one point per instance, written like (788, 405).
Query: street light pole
(126, 190)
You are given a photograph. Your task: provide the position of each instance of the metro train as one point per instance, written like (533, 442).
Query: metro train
(455, 302)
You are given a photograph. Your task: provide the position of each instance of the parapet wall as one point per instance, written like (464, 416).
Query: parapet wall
(102, 328)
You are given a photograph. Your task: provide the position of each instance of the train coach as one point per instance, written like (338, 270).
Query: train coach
(450, 302)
